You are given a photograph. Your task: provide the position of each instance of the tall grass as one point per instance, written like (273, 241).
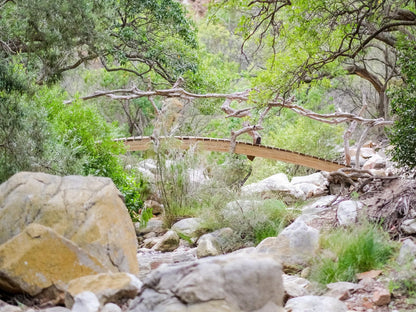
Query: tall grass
(356, 249)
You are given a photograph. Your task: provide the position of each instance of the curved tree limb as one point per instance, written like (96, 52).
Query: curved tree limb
(244, 96)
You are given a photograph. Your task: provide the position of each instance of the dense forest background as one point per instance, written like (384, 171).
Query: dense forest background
(329, 57)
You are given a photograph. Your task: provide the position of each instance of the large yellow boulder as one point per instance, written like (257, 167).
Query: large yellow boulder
(38, 258)
(87, 212)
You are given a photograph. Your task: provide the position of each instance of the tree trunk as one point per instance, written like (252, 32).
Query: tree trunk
(383, 105)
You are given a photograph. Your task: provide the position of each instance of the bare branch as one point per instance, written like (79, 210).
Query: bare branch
(252, 130)
(157, 111)
(246, 129)
(124, 69)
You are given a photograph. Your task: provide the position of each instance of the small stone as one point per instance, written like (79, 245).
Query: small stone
(106, 287)
(369, 274)
(157, 208)
(381, 297)
(86, 302)
(347, 212)
(407, 251)
(5, 307)
(367, 305)
(375, 162)
(367, 283)
(111, 307)
(54, 309)
(409, 226)
(189, 227)
(295, 286)
(168, 242)
(207, 246)
(341, 290)
(150, 242)
(153, 225)
(315, 303)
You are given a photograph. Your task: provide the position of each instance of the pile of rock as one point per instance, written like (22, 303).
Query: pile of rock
(70, 241)
(278, 186)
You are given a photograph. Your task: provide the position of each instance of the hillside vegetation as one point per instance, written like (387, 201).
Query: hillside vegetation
(293, 75)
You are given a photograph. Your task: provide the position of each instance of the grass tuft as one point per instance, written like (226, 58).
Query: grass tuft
(356, 249)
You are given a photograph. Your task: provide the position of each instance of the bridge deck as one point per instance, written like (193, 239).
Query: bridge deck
(223, 145)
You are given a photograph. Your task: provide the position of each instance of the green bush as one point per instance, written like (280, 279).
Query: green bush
(352, 250)
(86, 147)
(403, 101)
(23, 126)
(252, 224)
(267, 219)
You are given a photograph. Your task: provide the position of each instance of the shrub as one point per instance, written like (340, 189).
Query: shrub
(252, 221)
(403, 101)
(178, 195)
(353, 250)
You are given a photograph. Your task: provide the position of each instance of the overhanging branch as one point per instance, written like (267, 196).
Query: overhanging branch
(240, 97)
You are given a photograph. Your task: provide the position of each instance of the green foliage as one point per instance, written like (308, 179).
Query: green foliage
(403, 100)
(402, 276)
(80, 142)
(124, 34)
(178, 195)
(403, 283)
(353, 250)
(23, 128)
(272, 217)
(253, 223)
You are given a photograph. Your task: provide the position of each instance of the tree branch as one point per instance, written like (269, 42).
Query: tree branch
(252, 130)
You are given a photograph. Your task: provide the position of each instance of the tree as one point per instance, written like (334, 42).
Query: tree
(403, 132)
(315, 40)
(23, 129)
(54, 36)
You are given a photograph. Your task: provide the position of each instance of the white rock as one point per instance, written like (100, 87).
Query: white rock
(318, 206)
(227, 283)
(218, 242)
(407, 251)
(149, 164)
(153, 225)
(375, 162)
(111, 307)
(347, 212)
(277, 185)
(5, 307)
(409, 226)
(315, 304)
(168, 242)
(146, 174)
(317, 179)
(86, 302)
(296, 286)
(295, 245)
(207, 246)
(311, 190)
(189, 227)
(106, 287)
(341, 290)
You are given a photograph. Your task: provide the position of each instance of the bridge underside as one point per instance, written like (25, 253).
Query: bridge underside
(249, 149)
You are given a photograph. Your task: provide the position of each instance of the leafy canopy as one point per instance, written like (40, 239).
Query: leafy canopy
(403, 133)
(136, 36)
